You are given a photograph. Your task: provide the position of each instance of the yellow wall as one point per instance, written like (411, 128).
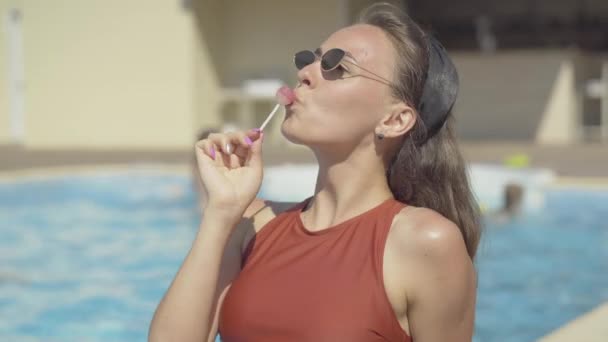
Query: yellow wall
(208, 20)
(4, 106)
(261, 36)
(254, 40)
(108, 74)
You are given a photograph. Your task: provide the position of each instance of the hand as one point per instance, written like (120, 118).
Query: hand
(231, 170)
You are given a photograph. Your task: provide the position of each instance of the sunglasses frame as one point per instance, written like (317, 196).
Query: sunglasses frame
(340, 61)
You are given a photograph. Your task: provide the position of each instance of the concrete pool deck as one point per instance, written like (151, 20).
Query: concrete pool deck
(588, 161)
(590, 327)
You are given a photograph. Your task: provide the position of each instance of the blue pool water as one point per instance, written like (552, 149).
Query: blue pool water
(87, 258)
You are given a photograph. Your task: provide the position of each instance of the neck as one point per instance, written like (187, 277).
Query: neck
(346, 187)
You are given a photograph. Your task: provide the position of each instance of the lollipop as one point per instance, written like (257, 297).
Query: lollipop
(285, 96)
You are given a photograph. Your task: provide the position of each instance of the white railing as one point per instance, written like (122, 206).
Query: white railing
(246, 97)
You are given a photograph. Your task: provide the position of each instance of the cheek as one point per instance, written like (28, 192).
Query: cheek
(355, 107)
(337, 112)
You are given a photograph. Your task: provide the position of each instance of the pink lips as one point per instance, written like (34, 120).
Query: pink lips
(285, 96)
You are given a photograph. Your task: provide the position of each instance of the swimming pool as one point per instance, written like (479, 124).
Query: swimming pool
(88, 257)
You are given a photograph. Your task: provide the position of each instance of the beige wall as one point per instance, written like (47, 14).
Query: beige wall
(207, 17)
(146, 74)
(4, 106)
(260, 37)
(108, 74)
(240, 40)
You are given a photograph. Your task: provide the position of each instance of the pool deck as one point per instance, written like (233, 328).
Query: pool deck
(588, 161)
(590, 327)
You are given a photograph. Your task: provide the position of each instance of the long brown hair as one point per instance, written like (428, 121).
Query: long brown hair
(428, 169)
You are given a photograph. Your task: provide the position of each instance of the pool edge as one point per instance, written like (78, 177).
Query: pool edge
(60, 171)
(590, 327)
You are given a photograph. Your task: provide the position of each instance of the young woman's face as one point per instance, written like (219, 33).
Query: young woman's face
(342, 106)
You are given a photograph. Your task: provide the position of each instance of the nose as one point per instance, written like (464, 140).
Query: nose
(309, 74)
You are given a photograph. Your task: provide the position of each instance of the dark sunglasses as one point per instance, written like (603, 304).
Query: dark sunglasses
(330, 60)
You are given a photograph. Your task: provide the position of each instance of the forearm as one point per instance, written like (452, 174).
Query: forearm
(185, 312)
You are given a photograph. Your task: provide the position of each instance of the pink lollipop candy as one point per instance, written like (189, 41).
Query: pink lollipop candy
(285, 95)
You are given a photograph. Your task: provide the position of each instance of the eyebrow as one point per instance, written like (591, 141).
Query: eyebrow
(319, 52)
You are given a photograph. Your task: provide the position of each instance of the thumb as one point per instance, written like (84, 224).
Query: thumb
(255, 157)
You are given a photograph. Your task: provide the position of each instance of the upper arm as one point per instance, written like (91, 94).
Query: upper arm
(230, 266)
(441, 298)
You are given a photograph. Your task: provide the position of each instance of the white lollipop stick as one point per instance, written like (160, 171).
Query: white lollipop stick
(285, 97)
(276, 108)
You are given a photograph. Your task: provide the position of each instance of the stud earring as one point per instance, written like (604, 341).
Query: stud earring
(380, 136)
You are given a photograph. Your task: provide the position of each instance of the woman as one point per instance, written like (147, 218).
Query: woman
(384, 249)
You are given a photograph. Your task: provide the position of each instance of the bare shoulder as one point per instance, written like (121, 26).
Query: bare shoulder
(438, 277)
(429, 247)
(426, 233)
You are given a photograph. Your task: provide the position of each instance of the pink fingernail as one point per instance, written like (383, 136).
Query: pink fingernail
(257, 130)
(213, 153)
(248, 141)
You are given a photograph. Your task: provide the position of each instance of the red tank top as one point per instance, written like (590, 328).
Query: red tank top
(325, 286)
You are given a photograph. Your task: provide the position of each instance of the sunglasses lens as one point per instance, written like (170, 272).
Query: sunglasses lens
(303, 58)
(331, 59)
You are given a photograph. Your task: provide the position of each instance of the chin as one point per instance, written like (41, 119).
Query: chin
(291, 133)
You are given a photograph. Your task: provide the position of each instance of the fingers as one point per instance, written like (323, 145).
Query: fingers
(234, 147)
(255, 157)
(207, 147)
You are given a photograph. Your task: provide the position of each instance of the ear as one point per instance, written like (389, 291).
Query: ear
(398, 121)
